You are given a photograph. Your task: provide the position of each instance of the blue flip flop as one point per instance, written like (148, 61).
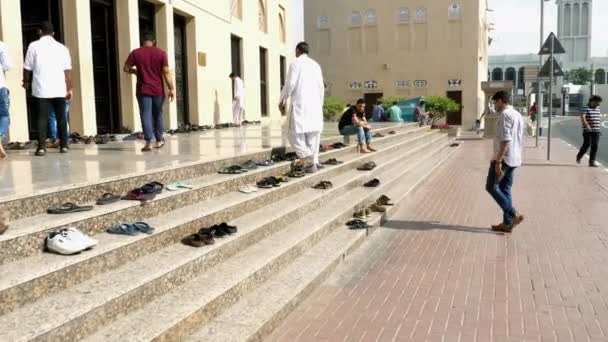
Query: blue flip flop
(143, 227)
(124, 229)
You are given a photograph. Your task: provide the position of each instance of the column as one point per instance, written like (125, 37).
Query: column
(166, 40)
(77, 21)
(127, 24)
(11, 35)
(194, 74)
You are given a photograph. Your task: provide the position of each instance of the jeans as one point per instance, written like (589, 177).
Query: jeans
(151, 113)
(53, 121)
(590, 139)
(57, 105)
(500, 190)
(5, 119)
(363, 134)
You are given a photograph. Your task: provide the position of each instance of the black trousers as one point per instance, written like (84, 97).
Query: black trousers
(44, 107)
(590, 139)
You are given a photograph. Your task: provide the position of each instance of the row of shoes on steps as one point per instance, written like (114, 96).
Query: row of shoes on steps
(363, 213)
(207, 236)
(245, 166)
(335, 146)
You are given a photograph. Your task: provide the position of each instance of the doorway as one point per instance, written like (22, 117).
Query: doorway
(283, 73)
(264, 81)
(31, 19)
(105, 66)
(370, 100)
(147, 12)
(455, 118)
(181, 70)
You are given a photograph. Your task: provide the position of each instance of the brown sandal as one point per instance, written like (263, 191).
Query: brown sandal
(199, 240)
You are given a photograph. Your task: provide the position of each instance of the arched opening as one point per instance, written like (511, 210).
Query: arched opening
(600, 76)
(585, 20)
(497, 74)
(510, 74)
(262, 16)
(282, 30)
(567, 20)
(520, 79)
(576, 19)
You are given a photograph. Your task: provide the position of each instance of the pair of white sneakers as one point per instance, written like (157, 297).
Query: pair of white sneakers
(69, 241)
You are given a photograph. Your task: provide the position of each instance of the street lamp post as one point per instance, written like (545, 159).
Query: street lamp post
(539, 99)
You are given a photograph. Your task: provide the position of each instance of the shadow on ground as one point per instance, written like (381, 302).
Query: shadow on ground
(432, 225)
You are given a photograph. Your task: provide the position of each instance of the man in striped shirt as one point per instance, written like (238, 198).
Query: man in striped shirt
(590, 117)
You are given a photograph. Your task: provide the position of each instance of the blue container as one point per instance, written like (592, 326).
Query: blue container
(407, 108)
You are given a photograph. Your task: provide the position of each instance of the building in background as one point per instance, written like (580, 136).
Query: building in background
(205, 41)
(408, 48)
(574, 30)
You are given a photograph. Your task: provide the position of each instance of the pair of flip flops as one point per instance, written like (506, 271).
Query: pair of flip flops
(367, 166)
(131, 229)
(295, 174)
(248, 189)
(270, 182)
(372, 183)
(249, 165)
(220, 230)
(323, 185)
(199, 240)
(146, 193)
(378, 135)
(68, 208)
(178, 185)
(108, 198)
(332, 161)
(232, 170)
(338, 145)
(267, 162)
(357, 224)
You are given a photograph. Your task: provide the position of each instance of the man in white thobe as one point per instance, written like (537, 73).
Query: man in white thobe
(238, 102)
(305, 87)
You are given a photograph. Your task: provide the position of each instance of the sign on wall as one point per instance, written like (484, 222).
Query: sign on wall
(323, 22)
(355, 85)
(371, 84)
(405, 84)
(420, 84)
(455, 83)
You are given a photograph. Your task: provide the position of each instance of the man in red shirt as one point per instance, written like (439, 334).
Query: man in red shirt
(151, 66)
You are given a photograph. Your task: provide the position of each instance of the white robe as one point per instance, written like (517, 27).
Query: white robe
(238, 103)
(304, 86)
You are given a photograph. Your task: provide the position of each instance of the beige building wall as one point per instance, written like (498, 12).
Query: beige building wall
(409, 48)
(209, 27)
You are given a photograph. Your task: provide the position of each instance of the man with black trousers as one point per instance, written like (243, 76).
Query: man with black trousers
(47, 70)
(591, 120)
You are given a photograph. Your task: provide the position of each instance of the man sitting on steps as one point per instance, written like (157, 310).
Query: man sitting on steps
(353, 122)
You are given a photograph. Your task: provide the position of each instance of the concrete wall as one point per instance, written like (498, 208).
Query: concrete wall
(209, 27)
(435, 50)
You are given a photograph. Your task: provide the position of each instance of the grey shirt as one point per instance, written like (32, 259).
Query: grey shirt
(510, 129)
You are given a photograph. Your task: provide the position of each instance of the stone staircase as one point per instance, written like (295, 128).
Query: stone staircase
(152, 287)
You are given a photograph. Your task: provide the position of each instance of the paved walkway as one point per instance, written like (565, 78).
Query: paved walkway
(437, 273)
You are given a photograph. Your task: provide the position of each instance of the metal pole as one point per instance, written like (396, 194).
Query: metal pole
(539, 97)
(551, 77)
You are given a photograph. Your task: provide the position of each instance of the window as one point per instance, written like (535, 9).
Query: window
(510, 74)
(403, 15)
(355, 19)
(455, 11)
(264, 81)
(282, 28)
(497, 74)
(585, 20)
(576, 19)
(262, 16)
(600, 76)
(371, 19)
(520, 79)
(567, 20)
(237, 9)
(282, 71)
(421, 15)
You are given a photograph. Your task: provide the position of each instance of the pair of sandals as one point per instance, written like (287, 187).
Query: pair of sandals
(233, 170)
(372, 183)
(158, 146)
(178, 185)
(267, 162)
(323, 185)
(362, 213)
(146, 193)
(248, 189)
(332, 161)
(131, 229)
(338, 145)
(249, 165)
(206, 236)
(378, 135)
(295, 174)
(367, 166)
(356, 224)
(271, 182)
(68, 208)
(291, 156)
(325, 148)
(384, 201)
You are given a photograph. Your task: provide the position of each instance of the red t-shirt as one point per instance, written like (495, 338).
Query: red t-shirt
(149, 62)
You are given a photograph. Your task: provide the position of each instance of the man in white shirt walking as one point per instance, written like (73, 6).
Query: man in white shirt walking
(47, 68)
(5, 65)
(507, 157)
(305, 87)
(238, 102)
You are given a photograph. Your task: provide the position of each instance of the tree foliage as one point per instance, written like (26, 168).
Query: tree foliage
(439, 106)
(332, 108)
(580, 76)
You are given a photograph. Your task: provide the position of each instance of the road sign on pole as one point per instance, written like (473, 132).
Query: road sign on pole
(551, 64)
(557, 49)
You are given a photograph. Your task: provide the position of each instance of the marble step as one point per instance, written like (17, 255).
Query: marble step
(24, 206)
(259, 312)
(26, 236)
(273, 217)
(172, 316)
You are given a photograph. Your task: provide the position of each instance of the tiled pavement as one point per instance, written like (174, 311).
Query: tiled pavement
(435, 272)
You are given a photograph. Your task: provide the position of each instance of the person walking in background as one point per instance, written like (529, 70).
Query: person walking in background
(47, 68)
(305, 87)
(378, 114)
(591, 119)
(394, 113)
(238, 102)
(151, 66)
(420, 113)
(353, 122)
(507, 157)
(533, 112)
(5, 65)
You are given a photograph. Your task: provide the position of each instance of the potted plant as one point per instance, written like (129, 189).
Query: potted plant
(439, 107)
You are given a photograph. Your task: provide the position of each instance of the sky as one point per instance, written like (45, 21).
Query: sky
(517, 24)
